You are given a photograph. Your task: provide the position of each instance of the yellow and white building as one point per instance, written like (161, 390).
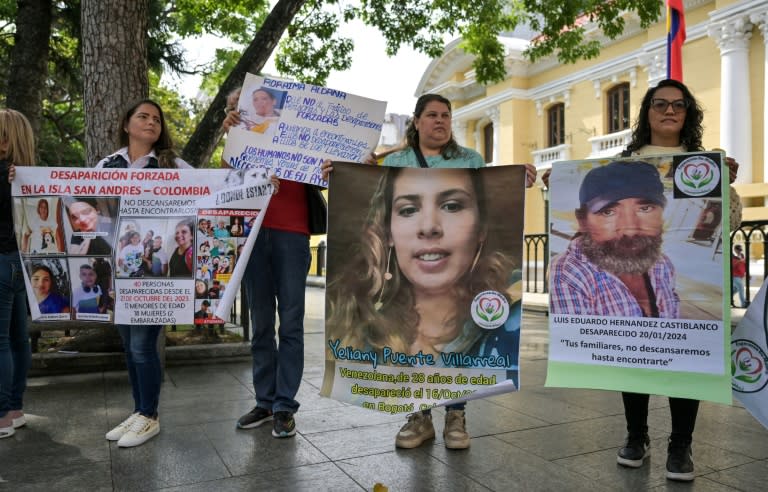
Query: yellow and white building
(546, 111)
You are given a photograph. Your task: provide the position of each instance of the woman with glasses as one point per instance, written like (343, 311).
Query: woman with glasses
(669, 122)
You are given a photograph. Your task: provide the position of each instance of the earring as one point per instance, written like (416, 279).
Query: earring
(387, 276)
(477, 257)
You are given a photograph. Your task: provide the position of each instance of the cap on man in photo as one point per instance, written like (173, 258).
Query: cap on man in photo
(619, 180)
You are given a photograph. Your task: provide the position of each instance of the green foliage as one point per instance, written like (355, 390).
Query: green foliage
(556, 20)
(235, 20)
(238, 20)
(311, 51)
(61, 139)
(179, 117)
(225, 60)
(314, 46)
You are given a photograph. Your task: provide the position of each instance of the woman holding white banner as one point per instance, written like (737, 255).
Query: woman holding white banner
(430, 143)
(146, 143)
(669, 122)
(17, 148)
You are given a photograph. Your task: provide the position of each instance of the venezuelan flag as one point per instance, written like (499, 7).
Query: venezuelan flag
(675, 39)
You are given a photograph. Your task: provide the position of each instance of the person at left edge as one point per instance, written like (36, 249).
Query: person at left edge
(17, 148)
(276, 277)
(145, 143)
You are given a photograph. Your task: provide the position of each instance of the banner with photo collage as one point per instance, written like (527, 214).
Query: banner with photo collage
(638, 275)
(136, 246)
(424, 291)
(289, 128)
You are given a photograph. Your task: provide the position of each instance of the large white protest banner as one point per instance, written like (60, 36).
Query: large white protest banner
(291, 127)
(136, 246)
(749, 358)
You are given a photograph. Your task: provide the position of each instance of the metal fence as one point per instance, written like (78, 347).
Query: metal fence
(753, 236)
(536, 258)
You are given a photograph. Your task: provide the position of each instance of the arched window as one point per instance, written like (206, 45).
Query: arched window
(556, 125)
(618, 108)
(488, 142)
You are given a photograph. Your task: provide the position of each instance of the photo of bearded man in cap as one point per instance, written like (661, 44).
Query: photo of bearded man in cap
(614, 264)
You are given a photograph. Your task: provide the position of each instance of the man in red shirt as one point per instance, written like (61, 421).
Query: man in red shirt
(276, 278)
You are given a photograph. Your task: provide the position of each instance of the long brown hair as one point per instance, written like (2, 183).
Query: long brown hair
(353, 316)
(690, 134)
(17, 132)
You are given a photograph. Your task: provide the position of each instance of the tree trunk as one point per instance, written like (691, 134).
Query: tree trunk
(207, 134)
(114, 41)
(29, 60)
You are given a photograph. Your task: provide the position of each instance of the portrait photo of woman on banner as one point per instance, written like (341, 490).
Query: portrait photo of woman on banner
(91, 223)
(429, 246)
(260, 110)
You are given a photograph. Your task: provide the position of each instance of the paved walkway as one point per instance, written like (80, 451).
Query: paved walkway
(537, 439)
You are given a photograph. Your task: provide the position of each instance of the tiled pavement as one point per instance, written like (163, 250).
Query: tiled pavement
(537, 439)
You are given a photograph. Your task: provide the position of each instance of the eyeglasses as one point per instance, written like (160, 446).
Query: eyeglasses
(661, 105)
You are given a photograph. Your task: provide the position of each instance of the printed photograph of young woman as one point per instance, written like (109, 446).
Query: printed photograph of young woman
(90, 223)
(404, 275)
(260, 110)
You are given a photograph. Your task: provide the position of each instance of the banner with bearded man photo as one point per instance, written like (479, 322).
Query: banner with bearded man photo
(637, 275)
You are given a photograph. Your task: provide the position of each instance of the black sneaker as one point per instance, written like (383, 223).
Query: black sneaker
(254, 418)
(635, 450)
(679, 461)
(284, 425)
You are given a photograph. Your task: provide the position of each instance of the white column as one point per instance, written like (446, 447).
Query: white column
(761, 20)
(460, 132)
(732, 37)
(495, 116)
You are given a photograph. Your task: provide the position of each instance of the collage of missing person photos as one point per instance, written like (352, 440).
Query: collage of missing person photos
(67, 247)
(73, 247)
(221, 235)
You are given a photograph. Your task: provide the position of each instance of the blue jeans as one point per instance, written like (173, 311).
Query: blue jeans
(276, 277)
(143, 361)
(738, 287)
(15, 355)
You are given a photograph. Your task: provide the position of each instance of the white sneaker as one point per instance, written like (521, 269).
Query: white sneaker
(6, 427)
(17, 416)
(116, 433)
(142, 430)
